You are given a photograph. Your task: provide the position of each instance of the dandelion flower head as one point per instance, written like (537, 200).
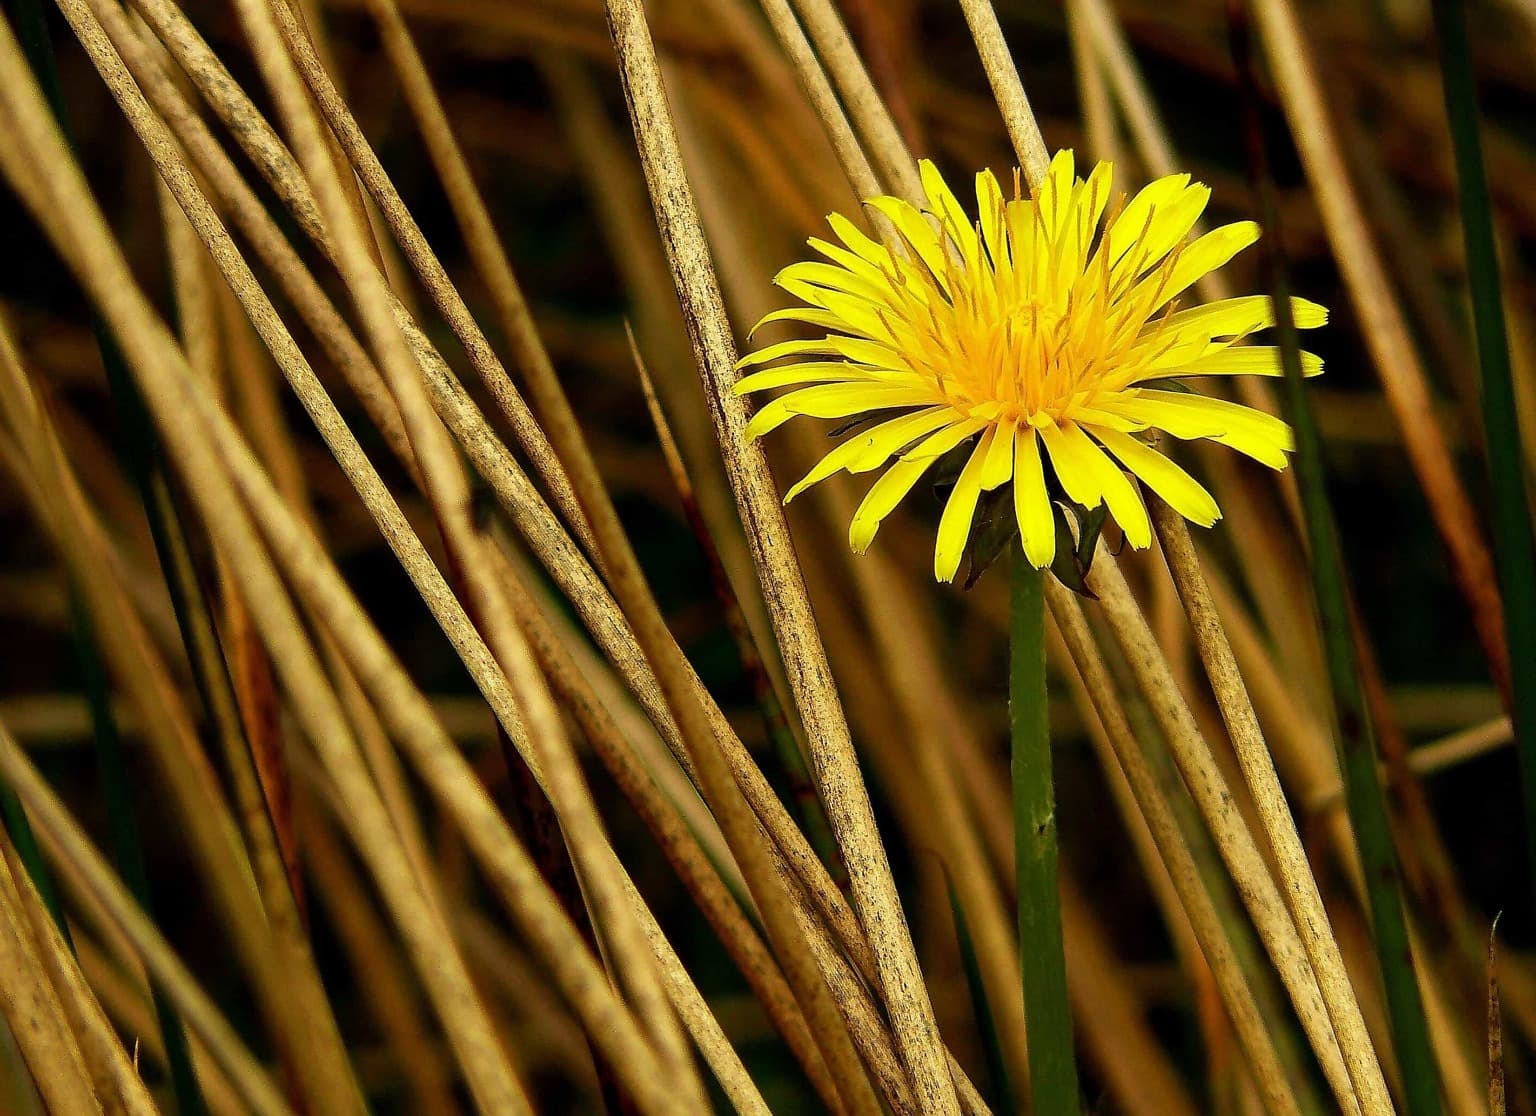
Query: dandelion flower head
(1047, 335)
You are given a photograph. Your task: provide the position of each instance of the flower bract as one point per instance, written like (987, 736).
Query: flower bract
(1045, 339)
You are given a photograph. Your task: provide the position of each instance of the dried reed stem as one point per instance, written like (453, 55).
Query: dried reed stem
(1245, 864)
(115, 1078)
(245, 1074)
(1238, 998)
(1007, 89)
(34, 1014)
(382, 980)
(877, 128)
(168, 728)
(1387, 336)
(80, 233)
(838, 776)
(1290, 857)
(533, 518)
(597, 867)
(227, 99)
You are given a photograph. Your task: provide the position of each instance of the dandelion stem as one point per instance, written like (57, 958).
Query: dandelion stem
(1053, 1070)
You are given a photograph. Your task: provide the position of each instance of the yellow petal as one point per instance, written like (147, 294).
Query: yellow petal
(999, 464)
(810, 315)
(1250, 360)
(790, 375)
(917, 232)
(821, 274)
(1088, 201)
(1093, 416)
(941, 442)
(1031, 503)
(1178, 489)
(867, 352)
(990, 205)
(1074, 469)
(882, 498)
(852, 261)
(787, 348)
(1134, 223)
(836, 401)
(1055, 193)
(843, 312)
(1232, 317)
(946, 207)
(873, 447)
(1120, 494)
(1196, 261)
(1261, 436)
(1173, 222)
(960, 510)
(858, 242)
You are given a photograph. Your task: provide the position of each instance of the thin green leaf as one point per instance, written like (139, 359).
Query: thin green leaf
(1353, 729)
(1514, 550)
(981, 1004)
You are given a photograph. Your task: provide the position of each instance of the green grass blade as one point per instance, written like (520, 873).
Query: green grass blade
(127, 845)
(981, 1004)
(1047, 1011)
(1514, 552)
(1268, 993)
(19, 829)
(1353, 729)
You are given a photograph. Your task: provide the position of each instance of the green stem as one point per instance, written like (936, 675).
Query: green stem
(1354, 731)
(1053, 1069)
(1512, 543)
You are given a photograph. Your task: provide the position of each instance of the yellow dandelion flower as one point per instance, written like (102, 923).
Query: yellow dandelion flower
(1038, 334)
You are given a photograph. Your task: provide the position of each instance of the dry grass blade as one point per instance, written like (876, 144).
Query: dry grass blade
(303, 378)
(838, 777)
(449, 493)
(245, 1074)
(31, 1008)
(58, 503)
(1386, 333)
(490, 457)
(1497, 1102)
(875, 124)
(1298, 886)
(1208, 786)
(227, 99)
(154, 356)
(115, 1079)
(1252, 1033)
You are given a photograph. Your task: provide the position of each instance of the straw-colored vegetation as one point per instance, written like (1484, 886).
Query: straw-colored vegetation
(417, 697)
